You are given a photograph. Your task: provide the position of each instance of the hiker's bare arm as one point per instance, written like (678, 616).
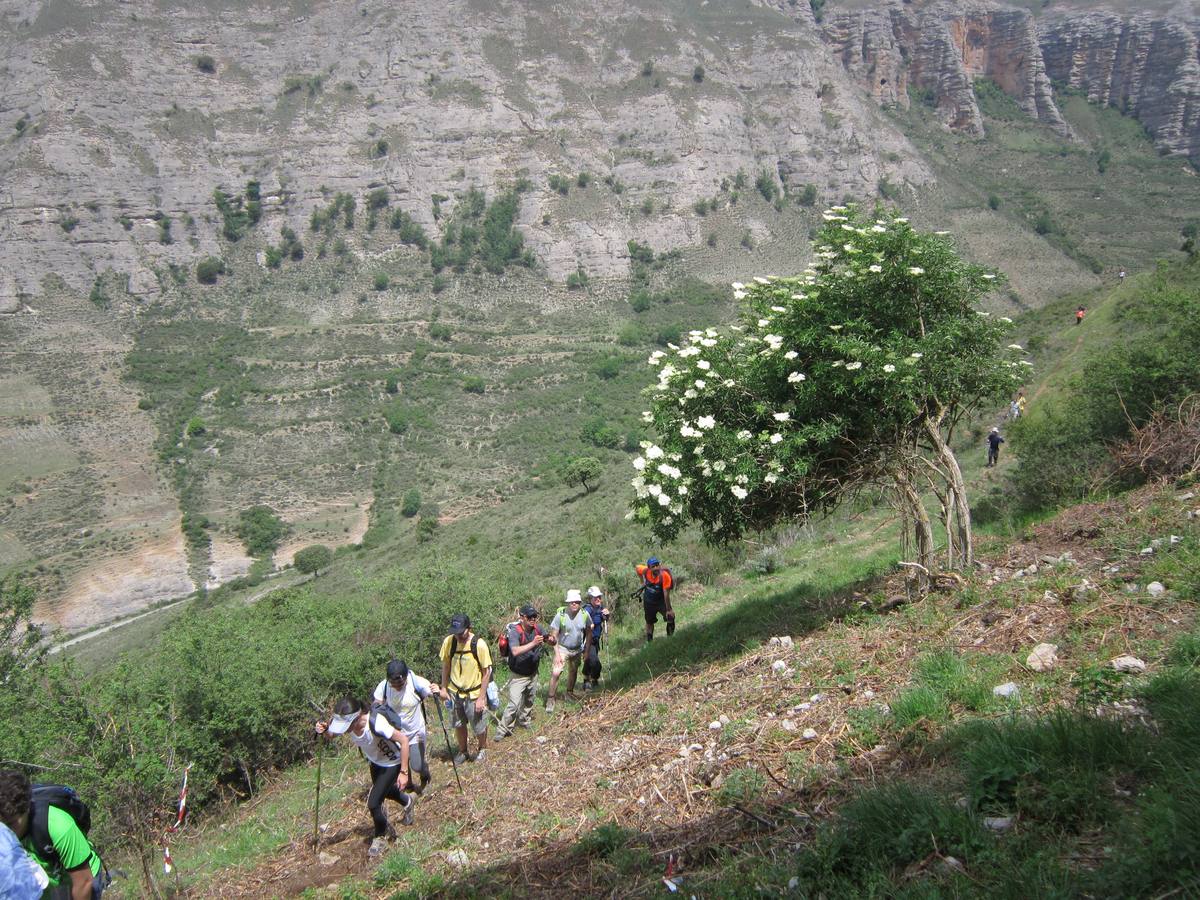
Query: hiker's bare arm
(445, 679)
(525, 648)
(81, 882)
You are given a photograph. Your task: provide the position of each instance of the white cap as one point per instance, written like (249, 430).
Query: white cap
(573, 596)
(594, 591)
(341, 724)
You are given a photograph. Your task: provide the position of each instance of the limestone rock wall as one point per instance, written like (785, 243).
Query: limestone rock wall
(1145, 66)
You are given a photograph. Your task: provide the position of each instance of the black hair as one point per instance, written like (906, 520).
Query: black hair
(350, 706)
(397, 670)
(16, 796)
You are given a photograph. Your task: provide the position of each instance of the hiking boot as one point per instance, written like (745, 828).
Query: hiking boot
(481, 756)
(377, 847)
(407, 818)
(460, 759)
(549, 704)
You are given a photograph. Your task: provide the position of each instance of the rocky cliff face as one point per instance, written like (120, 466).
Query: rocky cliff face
(941, 48)
(1146, 65)
(120, 113)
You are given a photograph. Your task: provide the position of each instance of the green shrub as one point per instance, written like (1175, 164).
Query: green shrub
(647, 206)
(377, 199)
(1044, 224)
(766, 185)
(205, 63)
(629, 335)
(195, 426)
(409, 231)
(701, 207)
(440, 331)
(711, 240)
(68, 223)
(698, 74)
(919, 704)
(993, 202)
(647, 69)
(808, 195)
(411, 504)
(97, 295)
(667, 334)
(640, 300)
(580, 470)
(583, 179)
(312, 558)
(607, 367)
(747, 240)
(474, 384)
(741, 787)
(380, 281)
(560, 184)
(208, 269)
(398, 417)
(577, 280)
(380, 150)
(260, 530)
(640, 253)
(599, 433)
(427, 527)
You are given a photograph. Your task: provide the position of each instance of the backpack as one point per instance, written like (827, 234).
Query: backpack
(65, 798)
(502, 641)
(493, 692)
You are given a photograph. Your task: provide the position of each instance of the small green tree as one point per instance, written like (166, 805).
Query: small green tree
(208, 269)
(427, 527)
(411, 504)
(380, 281)
(850, 375)
(581, 470)
(312, 558)
(20, 639)
(260, 530)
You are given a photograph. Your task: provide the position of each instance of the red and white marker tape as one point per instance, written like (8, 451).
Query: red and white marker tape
(167, 865)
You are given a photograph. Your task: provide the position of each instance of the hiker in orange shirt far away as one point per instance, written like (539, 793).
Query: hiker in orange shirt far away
(656, 595)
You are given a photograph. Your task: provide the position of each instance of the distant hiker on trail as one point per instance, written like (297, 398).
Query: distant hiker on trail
(994, 441)
(1020, 403)
(400, 694)
(20, 877)
(1079, 313)
(466, 674)
(656, 595)
(570, 632)
(600, 615)
(526, 644)
(51, 823)
(1121, 274)
(387, 751)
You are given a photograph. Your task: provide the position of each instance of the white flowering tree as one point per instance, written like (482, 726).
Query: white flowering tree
(853, 373)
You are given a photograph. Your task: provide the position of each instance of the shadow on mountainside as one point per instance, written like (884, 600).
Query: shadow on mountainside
(742, 623)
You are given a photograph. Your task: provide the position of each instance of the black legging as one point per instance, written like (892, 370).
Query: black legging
(383, 787)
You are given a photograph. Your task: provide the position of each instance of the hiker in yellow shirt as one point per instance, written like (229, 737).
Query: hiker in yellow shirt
(466, 673)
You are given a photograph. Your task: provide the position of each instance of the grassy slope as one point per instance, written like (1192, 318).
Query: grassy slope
(727, 618)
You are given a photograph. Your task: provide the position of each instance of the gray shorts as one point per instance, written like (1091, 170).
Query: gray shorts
(466, 716)
(416, 755)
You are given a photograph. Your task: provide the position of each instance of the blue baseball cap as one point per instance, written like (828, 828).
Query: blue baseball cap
(653, 561)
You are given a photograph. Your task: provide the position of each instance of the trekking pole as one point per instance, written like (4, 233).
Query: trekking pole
(449, 749)
(317, 800)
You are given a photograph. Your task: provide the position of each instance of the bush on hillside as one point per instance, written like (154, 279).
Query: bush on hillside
(208, 269)
(411, 504)
(312, 558)
(260, 530)
(581, 470)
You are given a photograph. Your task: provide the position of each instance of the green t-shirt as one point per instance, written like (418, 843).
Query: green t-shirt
(71, 843)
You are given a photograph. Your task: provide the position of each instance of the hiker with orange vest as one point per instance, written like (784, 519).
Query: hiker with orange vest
(656, 595)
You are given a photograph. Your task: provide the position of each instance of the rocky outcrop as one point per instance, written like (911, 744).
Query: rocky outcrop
(1144, 66)
(941, 49)
(115, 114)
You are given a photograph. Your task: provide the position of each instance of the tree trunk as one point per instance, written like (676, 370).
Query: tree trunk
(964, 555)
(910, 500)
